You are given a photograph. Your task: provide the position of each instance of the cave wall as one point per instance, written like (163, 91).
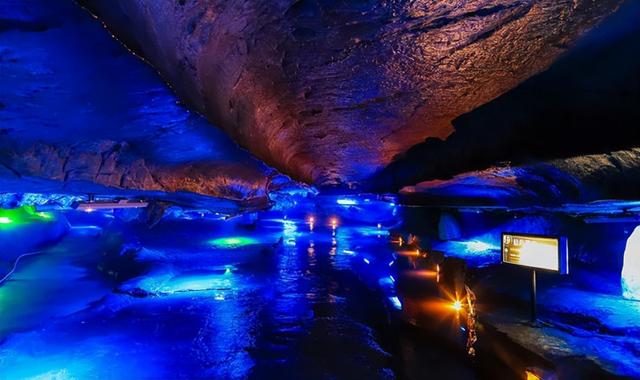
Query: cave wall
(79, 114)
(586, 103)
(330, 91)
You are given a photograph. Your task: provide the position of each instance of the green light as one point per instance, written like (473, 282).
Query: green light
(232, 242)
(227, 270)
(12, 218)
(45, 215)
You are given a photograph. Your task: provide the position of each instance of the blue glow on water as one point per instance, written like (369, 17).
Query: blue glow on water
(215, 290)
(386, 283)
(346, 202)
(232, 242)
(195, 283)
(204, 308)
(395, 302)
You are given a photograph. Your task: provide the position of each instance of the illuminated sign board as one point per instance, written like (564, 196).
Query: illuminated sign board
(537, 252)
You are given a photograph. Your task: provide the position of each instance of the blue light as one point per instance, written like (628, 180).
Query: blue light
(366, 260)
(347, 202)
(630, 276)
(395, 302)
(479, 246)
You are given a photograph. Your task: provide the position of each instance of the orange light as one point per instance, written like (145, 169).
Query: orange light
(408, 253)
(457, 305)
(334, 222)
(421, 273)
(531, 375)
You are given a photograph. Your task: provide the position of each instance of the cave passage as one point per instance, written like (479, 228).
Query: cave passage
(318, 286)
(273, 190)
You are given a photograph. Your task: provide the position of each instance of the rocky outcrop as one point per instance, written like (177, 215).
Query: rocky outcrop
(79, 114)
(330, 92)
(116, 165)
(572, 180)
(585, 103)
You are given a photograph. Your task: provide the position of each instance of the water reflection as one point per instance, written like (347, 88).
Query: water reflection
(200, 297)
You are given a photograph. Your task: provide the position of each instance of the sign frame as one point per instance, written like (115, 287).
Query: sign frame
(563, 252)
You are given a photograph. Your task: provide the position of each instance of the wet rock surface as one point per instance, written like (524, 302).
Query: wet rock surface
(330, 92)
(80, 114)
(584, 104)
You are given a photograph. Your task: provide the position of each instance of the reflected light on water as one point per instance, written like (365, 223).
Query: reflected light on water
(409, 253)
(232, 242)
(421, 273)
(395, 302)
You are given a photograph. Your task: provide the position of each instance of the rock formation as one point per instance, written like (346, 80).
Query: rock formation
(577, 179)
(79, 114)
(331, 92)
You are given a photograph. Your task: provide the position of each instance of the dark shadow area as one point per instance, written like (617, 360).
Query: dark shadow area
(587, 102)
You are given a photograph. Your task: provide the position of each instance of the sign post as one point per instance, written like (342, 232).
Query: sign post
(538, 253)
(534, 316)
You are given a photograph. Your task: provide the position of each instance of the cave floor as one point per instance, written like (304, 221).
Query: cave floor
(284, 291)
(260, 295)
(585, 328)
(577, 329)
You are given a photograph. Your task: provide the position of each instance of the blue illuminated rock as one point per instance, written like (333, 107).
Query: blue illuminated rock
(553, 183)
(80, 114)
(631, 267)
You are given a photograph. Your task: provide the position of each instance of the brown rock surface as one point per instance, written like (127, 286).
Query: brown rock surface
(330, 92)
